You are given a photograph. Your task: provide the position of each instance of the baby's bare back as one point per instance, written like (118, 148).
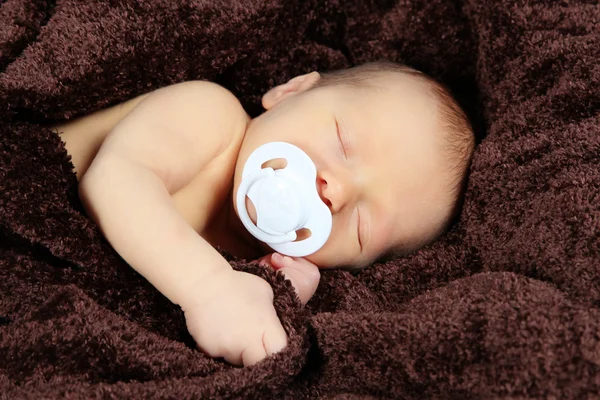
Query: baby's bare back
(84, 136)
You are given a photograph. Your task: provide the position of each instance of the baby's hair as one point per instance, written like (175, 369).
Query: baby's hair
(457, 131)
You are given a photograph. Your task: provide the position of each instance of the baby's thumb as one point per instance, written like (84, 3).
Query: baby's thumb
(303, 274)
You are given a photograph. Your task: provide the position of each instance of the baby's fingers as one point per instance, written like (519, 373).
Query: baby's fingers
(273, 340)
(303, 274)
(253, 354)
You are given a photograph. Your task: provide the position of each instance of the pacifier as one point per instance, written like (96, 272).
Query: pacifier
(286, 200)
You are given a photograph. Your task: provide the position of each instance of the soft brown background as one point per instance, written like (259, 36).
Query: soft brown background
(504, 306)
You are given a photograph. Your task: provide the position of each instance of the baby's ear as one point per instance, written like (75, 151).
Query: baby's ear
(296, 85)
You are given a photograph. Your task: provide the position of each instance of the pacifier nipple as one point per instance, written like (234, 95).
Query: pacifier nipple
(286, 200)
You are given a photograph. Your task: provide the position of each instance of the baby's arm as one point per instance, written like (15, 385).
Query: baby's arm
(151, 154)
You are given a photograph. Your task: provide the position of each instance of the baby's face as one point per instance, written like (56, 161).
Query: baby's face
(378, 157)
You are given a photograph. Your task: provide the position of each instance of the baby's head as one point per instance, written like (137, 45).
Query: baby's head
(391, 147)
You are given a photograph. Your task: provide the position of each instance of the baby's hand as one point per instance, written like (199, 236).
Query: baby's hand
(232, 316)
(303, 274)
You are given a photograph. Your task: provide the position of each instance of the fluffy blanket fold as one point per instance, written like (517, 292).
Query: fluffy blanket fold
(503, 306)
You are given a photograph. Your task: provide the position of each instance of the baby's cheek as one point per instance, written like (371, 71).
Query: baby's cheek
(319, 261)
(342, 248)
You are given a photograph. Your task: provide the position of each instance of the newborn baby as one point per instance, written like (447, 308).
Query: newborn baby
(159, 175)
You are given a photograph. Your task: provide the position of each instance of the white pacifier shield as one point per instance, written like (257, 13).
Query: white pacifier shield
(276, 194)
(285, 200)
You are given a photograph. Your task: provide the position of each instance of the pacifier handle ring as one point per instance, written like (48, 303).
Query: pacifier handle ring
(245, 218)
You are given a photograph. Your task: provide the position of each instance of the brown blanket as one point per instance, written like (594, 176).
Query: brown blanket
(503, 306)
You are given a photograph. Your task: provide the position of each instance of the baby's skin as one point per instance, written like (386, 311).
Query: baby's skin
(159, 173)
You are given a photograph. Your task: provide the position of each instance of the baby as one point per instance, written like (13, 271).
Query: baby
(159, 175)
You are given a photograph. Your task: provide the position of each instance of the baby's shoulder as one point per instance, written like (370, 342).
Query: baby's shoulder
(202, 96)
(203, 92)
(194, 109)
(218, 107)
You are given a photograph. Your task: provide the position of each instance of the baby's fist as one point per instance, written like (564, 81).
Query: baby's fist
(233, 317)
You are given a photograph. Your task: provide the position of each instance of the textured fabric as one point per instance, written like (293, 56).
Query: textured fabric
(503, 306)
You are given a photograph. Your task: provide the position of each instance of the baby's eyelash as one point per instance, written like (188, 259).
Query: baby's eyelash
(337, 127)
(358, 229)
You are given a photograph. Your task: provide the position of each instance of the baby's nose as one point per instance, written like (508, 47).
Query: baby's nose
(333, 192)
